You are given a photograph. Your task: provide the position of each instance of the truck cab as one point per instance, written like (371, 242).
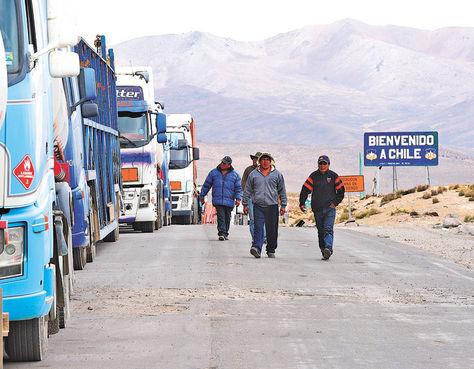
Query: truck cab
(181, 132)
(34, 230)
(142, 125)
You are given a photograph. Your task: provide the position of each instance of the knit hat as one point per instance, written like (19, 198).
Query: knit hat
(226, 160)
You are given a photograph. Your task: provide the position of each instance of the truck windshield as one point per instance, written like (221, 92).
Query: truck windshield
(10, 34)
(133, 128)
(179, 158)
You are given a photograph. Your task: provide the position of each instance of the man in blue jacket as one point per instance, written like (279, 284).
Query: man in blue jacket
(226, 191)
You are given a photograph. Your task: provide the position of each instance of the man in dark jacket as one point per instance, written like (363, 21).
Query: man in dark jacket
(327, 191)
(266, 188)
(226, 191)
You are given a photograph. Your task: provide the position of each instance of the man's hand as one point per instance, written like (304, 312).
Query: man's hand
(201, 200)
(303, 208)
(246, 209)
(237, 202)
(282, 211)
(332, 206)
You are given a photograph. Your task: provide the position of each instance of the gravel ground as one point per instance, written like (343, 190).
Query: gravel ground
(454, 244)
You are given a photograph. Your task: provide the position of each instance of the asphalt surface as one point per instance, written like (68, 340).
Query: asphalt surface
(179, 298)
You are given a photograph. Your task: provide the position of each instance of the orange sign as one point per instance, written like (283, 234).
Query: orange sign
(353, 183)
(130, 174)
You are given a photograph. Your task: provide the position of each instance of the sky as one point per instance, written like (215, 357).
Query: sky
(253, 20)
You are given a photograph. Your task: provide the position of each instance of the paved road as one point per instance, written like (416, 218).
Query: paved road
(181, 299)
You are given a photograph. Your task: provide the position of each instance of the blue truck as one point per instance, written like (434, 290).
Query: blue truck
(92, 154)
(53, 93)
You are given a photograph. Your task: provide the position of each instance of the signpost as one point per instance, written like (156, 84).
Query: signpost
(352, 184)
(401, 149)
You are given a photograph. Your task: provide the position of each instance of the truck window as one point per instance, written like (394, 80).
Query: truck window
(133, 127)
(10, 30)
(179, 158)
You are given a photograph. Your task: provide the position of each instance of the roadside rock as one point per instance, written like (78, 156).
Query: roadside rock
(451, 222)
(467, 229)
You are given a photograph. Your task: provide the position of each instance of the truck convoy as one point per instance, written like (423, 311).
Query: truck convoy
(142, 126)
(181, 132)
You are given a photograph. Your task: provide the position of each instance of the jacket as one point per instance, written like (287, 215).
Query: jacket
(326, 189)
(247, 171)
(226, 188)
(265, 190)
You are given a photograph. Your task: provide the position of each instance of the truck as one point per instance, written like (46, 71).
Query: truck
(181, 132)
(35, 205)
(91, 164)
(142, 127)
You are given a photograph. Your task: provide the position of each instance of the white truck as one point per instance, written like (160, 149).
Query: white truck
(181, 132)
(142, 127)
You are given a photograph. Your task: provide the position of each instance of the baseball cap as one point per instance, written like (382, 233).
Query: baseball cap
(226, 160)
(324, 158)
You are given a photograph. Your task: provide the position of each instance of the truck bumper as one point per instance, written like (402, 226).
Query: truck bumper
(132, 211)
(32, 305)
(180, 213)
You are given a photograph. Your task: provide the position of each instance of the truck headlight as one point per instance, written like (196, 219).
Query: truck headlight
(11, 257)
(184, 201)
(144, 198)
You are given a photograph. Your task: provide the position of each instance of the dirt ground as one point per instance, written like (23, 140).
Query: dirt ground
(412, 219)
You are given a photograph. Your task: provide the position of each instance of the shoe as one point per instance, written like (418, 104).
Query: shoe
(226, 238)
(327, 253)
(271, 255)
(221, 238)
(254, 251)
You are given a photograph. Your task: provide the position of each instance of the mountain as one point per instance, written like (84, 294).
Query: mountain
(319, 85)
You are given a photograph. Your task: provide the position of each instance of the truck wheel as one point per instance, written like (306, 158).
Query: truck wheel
(53, 325)
(63, 311)
(79, 255)
(27, 340)
(91, 251)
(148, 227)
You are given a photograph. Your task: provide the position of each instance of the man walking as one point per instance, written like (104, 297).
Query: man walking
(247, 171)
(226, 191)
(327, 191)
(265, 186)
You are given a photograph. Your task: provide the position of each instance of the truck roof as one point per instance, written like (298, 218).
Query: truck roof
(174, 120)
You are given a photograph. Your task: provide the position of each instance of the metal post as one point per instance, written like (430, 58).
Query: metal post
(361, 194)
(377, 189)
(395, 179)
(428, 180)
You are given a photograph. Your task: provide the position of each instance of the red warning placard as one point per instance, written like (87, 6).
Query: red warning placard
(25, 172)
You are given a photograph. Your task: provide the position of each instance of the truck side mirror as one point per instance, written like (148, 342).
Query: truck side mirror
(161, 123)
(87, 84)
(162, 138)
(89, 110)
(195, 153)
(63, 64)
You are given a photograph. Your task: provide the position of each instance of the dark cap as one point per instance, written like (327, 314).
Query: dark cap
(226, 160)
(256, 156)
(324, 158)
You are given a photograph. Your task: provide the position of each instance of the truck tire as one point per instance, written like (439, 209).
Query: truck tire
(187, 219)
(53, 325)
(27, 340)
(91, 252)
(148, 227)
(79, 255)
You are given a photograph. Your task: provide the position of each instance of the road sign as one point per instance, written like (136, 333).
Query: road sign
(401, 149)
(353, 183)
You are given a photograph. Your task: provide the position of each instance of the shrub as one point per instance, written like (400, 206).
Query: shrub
(434, 192)
(389, 197)
(367, 213)
(421, 188)
(343, 217)
(426, 195)
(454, 187)
(469, 218)
(471, 198)
(469, 193)
(442, 189)
(461, 193)
(399, 211)
(435, 200)
(406, 192)
(414, 213)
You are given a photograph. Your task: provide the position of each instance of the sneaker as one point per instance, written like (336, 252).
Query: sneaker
(226, 238)
(271, 255)
(254, 251)
(221, 238)
(327, 254)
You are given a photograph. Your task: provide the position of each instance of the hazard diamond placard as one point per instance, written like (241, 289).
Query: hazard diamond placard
(25, 172)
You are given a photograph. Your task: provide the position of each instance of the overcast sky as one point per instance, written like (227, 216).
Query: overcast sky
(251, 20)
